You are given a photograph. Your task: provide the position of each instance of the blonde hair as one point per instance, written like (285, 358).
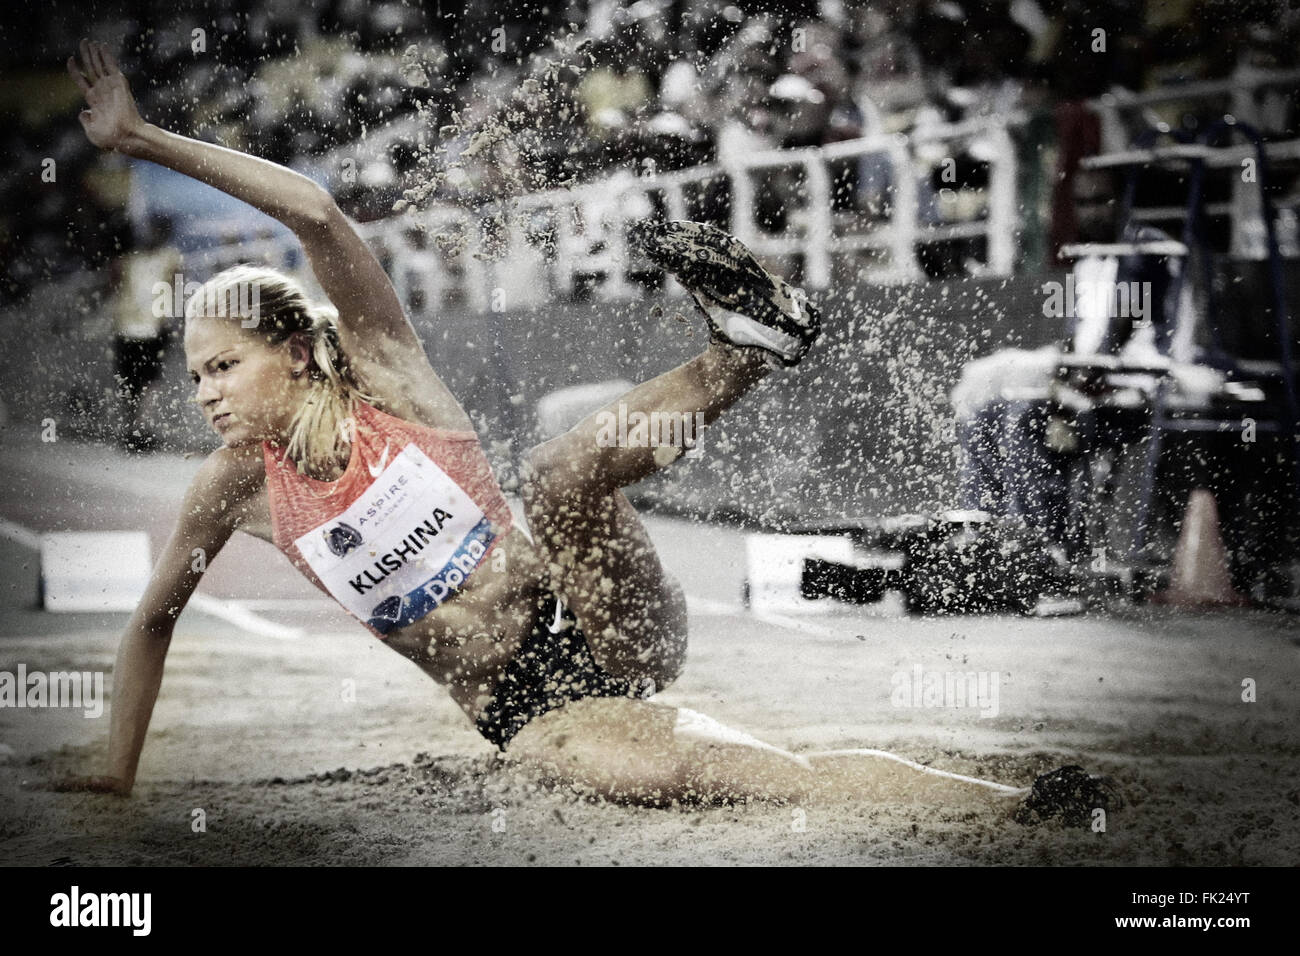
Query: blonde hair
(275, 306)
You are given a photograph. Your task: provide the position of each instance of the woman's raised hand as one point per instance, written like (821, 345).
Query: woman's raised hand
(112, 117)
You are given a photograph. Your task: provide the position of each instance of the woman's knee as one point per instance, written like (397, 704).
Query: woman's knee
(612, 748)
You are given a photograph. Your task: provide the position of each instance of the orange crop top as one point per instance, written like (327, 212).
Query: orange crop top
(414, 513)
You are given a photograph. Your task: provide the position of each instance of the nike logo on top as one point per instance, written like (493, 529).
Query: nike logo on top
(559, 614)
(375, 470)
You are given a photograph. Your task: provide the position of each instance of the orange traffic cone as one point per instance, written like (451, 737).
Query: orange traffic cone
(1200, 561)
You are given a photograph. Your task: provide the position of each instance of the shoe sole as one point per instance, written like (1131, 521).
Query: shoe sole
(716, 266)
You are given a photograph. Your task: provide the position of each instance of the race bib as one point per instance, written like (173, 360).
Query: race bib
(402, 548)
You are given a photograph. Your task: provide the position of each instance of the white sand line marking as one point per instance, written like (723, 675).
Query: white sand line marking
(233, 613)
(1000, 787)
(229, 611)
(693, 724)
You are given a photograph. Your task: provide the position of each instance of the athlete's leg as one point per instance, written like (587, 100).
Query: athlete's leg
(582, 459)
(642, 752)
(601, 558)
(604, 565)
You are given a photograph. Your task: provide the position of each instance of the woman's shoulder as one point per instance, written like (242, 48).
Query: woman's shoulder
(412, 393)
(224, 488)
(231, 472)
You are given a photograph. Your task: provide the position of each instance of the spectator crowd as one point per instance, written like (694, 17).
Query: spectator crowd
(658, 84)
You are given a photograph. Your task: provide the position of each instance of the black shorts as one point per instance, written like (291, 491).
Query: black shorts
(552, 667)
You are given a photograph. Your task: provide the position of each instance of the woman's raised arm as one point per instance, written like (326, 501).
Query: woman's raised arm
(112, 121)
(209, 514)
(373, 326)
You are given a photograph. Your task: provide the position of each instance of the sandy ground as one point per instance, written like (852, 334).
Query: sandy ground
(255, 731)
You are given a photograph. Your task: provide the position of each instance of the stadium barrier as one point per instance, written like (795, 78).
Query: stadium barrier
(566, 243)
(559, 245)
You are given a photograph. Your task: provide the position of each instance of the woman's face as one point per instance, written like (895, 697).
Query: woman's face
(246, 389)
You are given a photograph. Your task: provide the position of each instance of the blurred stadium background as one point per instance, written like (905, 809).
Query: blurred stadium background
(914, 164)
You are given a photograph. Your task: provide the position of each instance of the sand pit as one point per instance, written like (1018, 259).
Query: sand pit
(257, 734)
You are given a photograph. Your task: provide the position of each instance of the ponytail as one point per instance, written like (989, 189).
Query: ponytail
(323, 426)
